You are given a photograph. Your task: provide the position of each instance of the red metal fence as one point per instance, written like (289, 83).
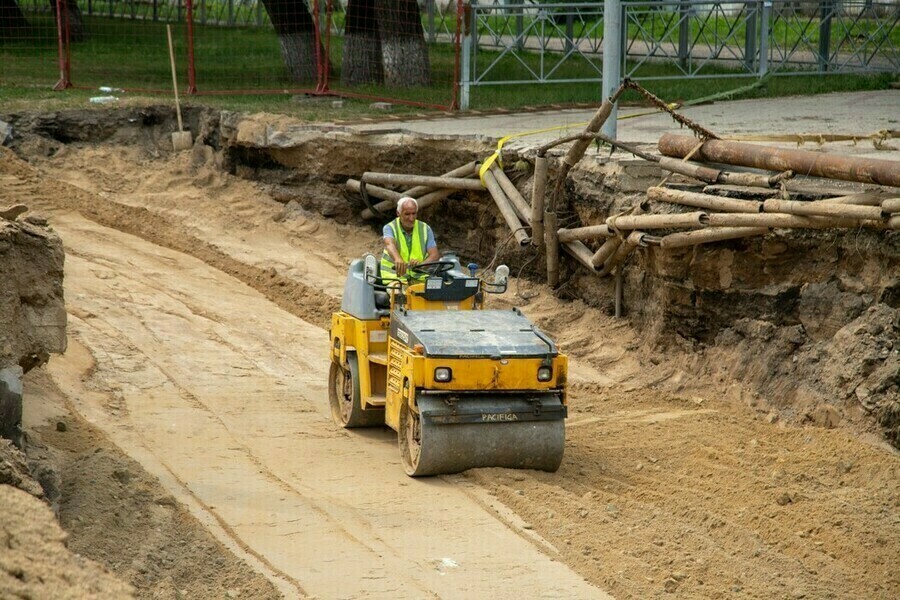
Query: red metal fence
(389, 50)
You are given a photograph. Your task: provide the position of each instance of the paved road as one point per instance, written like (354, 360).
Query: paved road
(857, 113)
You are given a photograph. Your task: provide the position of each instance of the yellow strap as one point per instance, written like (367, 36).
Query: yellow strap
(496, 155)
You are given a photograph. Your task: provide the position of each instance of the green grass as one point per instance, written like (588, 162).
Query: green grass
(125, 54)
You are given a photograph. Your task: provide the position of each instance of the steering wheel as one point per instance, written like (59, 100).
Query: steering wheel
(434, 268)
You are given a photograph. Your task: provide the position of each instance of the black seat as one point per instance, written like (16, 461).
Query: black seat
(382, 299)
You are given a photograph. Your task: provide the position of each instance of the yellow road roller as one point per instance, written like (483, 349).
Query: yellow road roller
(463, 386)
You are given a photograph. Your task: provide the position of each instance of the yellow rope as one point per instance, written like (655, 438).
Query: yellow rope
(495, 157)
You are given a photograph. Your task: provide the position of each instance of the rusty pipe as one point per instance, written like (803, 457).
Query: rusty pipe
(802, 162)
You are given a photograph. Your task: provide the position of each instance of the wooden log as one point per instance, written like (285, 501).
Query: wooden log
(822, 209)
(890, 206)
(506, 209)
(456, 183)
(705, 236)
(581, 253)
(815, 164)
(787, 221)
(692, 220)
(580, 234)
(538, 187)
(513, 193)
(894, 222)
(634, 239)
(552, 244)
(703, 200)
(576, 152)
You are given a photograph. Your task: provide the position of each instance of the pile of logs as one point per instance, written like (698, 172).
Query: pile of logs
(716, 217)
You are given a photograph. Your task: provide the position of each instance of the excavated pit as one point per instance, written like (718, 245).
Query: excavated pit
(806, 322)
(807, 317)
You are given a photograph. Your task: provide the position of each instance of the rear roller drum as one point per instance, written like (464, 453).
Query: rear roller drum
(344, 397)
(427, 448)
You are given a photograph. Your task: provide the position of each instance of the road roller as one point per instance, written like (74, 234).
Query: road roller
(463, 386)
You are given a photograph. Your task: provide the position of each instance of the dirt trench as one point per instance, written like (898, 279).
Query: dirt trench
(196, 293)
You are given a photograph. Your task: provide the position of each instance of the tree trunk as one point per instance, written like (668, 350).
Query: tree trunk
(404, 52)
(297, 35)
(12, 21)
(362, 45)
(74, 19)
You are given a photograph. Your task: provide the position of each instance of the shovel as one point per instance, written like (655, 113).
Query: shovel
(181, 139)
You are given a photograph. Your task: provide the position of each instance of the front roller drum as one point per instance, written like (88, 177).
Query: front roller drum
(430, 447)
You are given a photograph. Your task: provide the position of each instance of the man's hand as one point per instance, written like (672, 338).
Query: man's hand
(400, 267)
(413, 262)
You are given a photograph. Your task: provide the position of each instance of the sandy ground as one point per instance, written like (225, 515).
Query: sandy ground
(197, 308)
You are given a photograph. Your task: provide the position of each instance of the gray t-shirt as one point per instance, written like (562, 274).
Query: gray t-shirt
(430, 243)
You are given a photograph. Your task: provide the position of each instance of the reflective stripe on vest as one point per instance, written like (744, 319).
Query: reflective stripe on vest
(414, 251)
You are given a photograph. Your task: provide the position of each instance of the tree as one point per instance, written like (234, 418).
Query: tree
(74, 19)
(11, 18)
(297, 35)
(361, 62)
(403, 49)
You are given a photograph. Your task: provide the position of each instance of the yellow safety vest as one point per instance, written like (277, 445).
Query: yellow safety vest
(414, 251)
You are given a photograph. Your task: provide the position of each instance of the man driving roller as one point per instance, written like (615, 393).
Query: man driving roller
(407, 242)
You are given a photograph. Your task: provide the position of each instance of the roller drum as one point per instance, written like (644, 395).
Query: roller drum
(484, 432)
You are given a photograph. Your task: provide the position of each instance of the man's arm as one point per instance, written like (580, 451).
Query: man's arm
(390, 244)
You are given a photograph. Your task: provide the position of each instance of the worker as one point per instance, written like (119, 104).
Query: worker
(407, 242)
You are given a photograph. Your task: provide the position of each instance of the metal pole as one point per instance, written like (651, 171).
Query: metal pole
(432, 34)
(467, 43)
(764, 37)
(619, 278)
(570, 30)
(684, 12)
(520, 25)
(750, 35)
(827, 10)
(613, 50)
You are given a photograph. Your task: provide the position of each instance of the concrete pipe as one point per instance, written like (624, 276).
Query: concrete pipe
(703, 200)
(693, 220)
(815, 164)
(705, 236)
(506, 209)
